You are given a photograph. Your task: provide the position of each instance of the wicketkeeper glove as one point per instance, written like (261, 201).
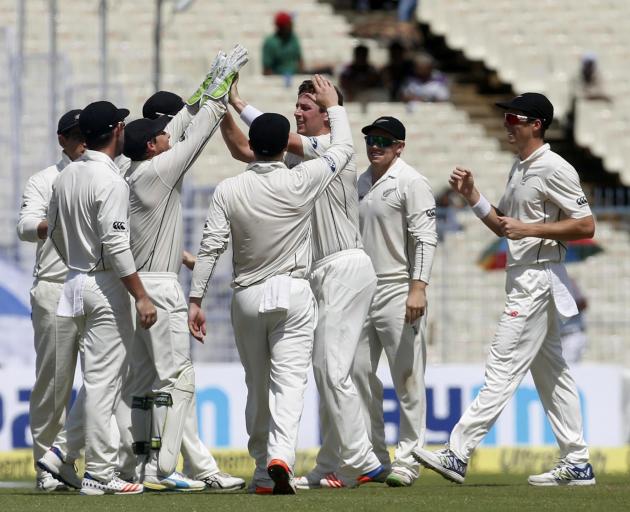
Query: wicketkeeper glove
(226, 73)
(219, 61)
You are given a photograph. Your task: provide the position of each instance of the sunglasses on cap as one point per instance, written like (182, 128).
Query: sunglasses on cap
(514, 119)
(379, 141)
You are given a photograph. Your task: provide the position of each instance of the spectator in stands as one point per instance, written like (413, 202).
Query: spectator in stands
(282, 53)
(426, 83)
(359, 75)
(397, 70)
(588, 84)
(446, 217)
(573, 330)
(407, 10)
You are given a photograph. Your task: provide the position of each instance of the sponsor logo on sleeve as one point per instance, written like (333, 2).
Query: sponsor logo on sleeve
(331, 163)
(119, 226)
(430, 212)
(581, 201)
(314, 142)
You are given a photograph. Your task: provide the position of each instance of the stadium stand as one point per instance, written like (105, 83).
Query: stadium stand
(539, 49)
(465, 301)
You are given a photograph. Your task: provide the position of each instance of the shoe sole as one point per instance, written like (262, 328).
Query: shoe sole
(393, 481)
(281, 479)
(569, 483)
(165, 488)
(224, 490)
(55, 474)
(308, 487)
(451, 476)
(100, 492)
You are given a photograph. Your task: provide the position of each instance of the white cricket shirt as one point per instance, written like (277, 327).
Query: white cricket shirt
(34, 209)
(88, 214)
(155, 185)
(267, 211)
(397, 219)
(335, 220)
(542, 188)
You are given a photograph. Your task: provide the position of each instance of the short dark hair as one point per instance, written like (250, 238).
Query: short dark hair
(100, 141)
(307, 87)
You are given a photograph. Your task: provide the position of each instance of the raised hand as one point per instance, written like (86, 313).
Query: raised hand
(325, 94)
(462, 182)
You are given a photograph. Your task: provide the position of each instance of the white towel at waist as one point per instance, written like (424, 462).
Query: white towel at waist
(71, 299)
(565, 303)
(276, 294)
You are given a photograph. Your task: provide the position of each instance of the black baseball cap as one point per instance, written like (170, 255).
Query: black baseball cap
(139, 132)
(68, 121)
(532, 104)
(99, 118)
(162, 103)
(388, 124)
(269, 134)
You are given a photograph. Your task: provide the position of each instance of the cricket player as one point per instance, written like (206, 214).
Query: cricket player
(397, 217)
(162, 375)
(88, 225)
(343, 282)
(267, 211)
(56, 339)
(543, 206)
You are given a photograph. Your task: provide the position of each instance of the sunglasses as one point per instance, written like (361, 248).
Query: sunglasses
(514, 119)
(379, 141)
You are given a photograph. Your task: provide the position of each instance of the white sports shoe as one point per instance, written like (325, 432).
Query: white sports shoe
(399, 477)
(174, 482)
(565, 473)
(48, 483)
(53, 463)
(92, 487)
(308, 481)
(223, 482)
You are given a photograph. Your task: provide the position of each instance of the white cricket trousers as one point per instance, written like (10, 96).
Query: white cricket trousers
(57, 344)
(343, 284)
(405, 348)
(107, 330)
(158, 357)
(275, 349)
(574, 346)
(527, 338)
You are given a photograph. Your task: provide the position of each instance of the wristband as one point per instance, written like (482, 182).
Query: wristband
(482, 208)
(250, 113)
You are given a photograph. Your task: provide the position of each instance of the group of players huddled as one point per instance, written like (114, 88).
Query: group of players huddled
(330, 270)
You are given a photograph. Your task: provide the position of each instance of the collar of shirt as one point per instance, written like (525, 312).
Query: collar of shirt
(98, 156)
(392, 172)
(63, 161)
(265, 167)
(536, 154)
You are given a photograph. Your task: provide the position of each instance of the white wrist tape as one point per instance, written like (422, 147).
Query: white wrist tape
(250, 113)
(482, 208)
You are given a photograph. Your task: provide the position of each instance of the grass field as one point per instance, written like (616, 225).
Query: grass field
(430, 493)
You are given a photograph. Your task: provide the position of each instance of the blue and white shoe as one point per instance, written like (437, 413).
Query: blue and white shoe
(565, 473)
(444, 462)
(174, 482)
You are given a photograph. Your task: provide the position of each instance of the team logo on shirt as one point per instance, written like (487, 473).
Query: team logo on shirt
(331, 163)
(119, 226)
(430, 213)
(581, 201)
(388, 192)
(314, 142)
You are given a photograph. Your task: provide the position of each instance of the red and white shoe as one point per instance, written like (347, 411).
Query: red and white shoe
(92, 487)
(332, 481)
(282, 477)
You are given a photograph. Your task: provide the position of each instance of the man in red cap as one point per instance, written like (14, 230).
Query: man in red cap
(282, 53)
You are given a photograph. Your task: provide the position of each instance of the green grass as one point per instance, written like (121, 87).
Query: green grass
(429, 493)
